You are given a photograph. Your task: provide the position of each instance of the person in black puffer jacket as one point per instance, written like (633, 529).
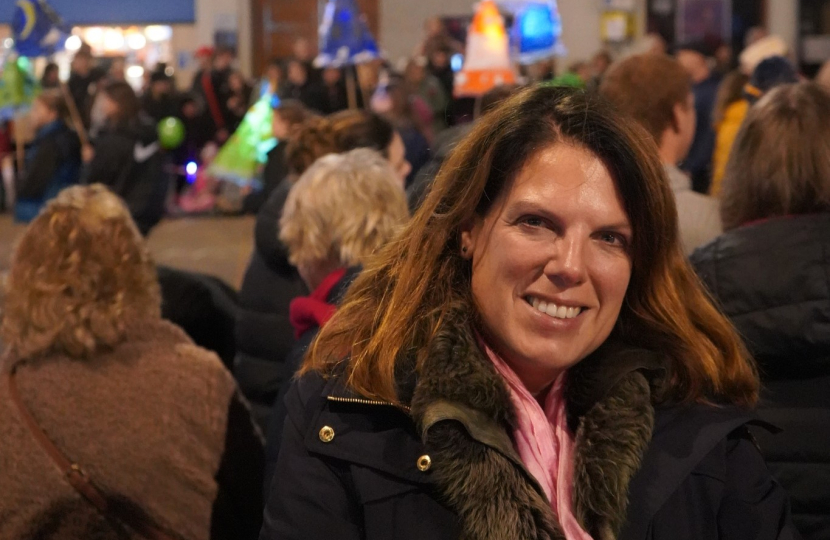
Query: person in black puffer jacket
(264, 336)
(126, 155)
(770, 272)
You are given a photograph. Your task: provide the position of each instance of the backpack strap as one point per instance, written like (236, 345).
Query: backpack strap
(75, 475)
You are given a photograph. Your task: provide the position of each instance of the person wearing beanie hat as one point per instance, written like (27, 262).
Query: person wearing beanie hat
(760, 50)
(772, 72)
(159, 100)
(694, 57)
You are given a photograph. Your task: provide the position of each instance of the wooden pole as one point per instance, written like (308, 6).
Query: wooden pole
(74, 114)
(366, 97)
(18, 143)
(351, 90)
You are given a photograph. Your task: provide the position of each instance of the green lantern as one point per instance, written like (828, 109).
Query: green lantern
(171, 132)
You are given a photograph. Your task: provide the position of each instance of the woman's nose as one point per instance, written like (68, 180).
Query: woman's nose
(566, 267)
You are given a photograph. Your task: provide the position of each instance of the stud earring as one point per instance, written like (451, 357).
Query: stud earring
(464, 250)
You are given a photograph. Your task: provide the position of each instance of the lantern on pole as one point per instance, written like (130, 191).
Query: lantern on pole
(487, 59)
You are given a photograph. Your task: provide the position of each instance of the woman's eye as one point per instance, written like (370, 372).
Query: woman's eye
(532, 221)
(614, 239)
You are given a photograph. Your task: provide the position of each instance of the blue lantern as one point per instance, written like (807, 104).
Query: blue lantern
(344, 37)
(536, 30)
(37, 29)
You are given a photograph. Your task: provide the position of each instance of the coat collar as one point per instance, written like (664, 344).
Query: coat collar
(463, 412)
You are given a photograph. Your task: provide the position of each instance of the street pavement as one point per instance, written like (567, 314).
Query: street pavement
(220, 246)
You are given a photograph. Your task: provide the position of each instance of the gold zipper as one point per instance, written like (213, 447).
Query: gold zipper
(366, 402)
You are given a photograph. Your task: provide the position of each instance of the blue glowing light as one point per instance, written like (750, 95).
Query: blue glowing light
(536, 31)
(191, 168)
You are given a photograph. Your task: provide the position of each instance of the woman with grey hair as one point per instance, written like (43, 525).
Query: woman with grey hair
(340, 211)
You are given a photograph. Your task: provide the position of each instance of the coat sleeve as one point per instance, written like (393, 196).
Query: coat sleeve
(754, 505)
(308, 499)
(237, 509)
(112, 154)
(39, 171)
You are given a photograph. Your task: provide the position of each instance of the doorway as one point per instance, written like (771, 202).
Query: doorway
(277, 24)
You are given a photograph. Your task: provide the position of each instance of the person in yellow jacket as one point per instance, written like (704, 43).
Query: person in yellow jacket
(729, 113)
(771, 72)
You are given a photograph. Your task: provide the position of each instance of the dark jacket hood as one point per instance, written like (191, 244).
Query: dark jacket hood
(772, 279)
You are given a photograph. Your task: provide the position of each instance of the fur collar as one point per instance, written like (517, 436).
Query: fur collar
(465, 417)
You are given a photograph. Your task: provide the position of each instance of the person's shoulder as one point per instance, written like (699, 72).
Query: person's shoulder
(169, 347)
(308, 390)
(145, 129)
(113, 141)
(691, 443)
(708, 253)
(696, 419)
(736, 111)
(685, 436)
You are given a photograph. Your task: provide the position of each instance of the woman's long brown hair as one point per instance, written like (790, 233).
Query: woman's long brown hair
(397, 304)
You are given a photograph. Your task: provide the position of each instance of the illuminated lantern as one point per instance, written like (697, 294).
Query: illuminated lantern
(536, 30)
(344, 37)
(487, 62)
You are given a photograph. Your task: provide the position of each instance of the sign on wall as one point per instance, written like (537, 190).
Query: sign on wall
(116, 12)
(703, 19)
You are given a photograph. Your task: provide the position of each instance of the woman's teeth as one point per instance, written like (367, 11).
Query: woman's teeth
(558, 312)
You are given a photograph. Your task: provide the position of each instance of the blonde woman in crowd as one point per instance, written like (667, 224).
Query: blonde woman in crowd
(113, 420)
(341, 211)
(264, 335)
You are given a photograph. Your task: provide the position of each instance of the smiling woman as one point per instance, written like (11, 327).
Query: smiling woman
(536, 336)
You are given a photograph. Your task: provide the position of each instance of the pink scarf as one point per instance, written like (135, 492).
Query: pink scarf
(545, 444)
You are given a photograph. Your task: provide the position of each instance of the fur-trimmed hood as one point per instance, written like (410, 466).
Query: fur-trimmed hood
(463, 411)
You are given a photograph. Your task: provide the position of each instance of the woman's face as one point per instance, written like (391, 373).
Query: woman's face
(236, 82)
(551, 263)
(107, 106)
(280, 127)
(397, 158)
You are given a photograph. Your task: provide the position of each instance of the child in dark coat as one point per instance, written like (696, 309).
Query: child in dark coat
(53, 161)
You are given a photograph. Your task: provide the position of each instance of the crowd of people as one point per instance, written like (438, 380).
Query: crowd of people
(579, 307)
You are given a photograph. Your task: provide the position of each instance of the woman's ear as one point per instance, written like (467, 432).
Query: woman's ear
(469, 232)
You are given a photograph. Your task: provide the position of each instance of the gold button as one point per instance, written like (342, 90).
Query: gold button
(326, 434)
(424, 463)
